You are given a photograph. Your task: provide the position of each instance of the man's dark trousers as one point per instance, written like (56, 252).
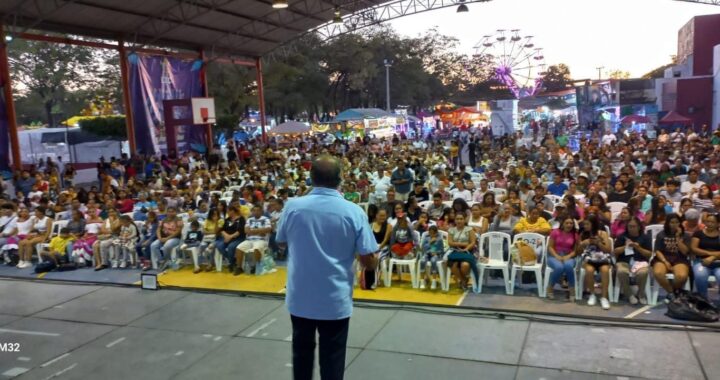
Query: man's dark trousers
(333, 339)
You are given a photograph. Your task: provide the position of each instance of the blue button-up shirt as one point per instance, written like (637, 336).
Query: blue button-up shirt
(323, 232)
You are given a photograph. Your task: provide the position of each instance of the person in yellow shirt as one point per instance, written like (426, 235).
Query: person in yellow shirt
(57, 250)
(533, 222)
(455, 154)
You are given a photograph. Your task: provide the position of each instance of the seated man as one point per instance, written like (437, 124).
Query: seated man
(257, 229)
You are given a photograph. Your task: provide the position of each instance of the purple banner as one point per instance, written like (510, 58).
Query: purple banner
(152, 80)
(4, 132)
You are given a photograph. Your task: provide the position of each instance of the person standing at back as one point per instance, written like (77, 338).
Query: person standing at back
(323, 233)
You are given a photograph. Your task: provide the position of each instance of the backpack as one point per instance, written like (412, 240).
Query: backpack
(691, 307)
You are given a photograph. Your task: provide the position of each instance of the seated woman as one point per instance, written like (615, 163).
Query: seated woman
(460, 259)
(422, 224)
(562, 247)
(82, 253)
(505, 221)
(705, 245)
(488, 206)
(433, 248)
(671, 256)
(532, 223)
(596, 255)
(148, 236)
(447, 221)
(619, 226)
(382, 232)
(478, 223)
(39, 233)
(18, 232)
(633, 249)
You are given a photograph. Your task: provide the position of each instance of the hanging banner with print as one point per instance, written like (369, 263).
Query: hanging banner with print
(152, 80)
(4, 131)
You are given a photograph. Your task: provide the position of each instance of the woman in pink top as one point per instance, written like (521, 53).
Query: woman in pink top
(618, 227)
(561, 258)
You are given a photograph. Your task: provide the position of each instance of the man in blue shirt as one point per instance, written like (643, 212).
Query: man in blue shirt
(402, 179)
(323, 233)
(557, 187)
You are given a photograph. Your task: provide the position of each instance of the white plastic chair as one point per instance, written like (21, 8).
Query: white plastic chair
(654, 230)
(580, 278)
(424, 205)
(227, 194)
(491, 246)
(556, 200)
(539, 243)
(410, 263)
(499, 193)
(54, 231)
(63, 215)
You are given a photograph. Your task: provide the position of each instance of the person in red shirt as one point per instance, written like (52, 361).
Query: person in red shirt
(124, 204)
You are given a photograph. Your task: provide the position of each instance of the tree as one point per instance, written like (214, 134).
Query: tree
(557, 78)
(618, 74)
(50, 72)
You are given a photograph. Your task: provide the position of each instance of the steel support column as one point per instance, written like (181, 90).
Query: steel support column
(127, 103)
(261, 97)
(206, 93)
(9, 103)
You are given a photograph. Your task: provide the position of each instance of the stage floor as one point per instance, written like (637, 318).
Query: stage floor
(74, 331)
(493, 298)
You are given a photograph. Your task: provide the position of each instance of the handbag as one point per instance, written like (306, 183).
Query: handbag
(691, 307)
(593, 255)
(523, 254)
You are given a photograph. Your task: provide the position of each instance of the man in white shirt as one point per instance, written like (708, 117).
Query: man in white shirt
(257, 229)
(609, 138)
(692, 184)
(381, 183)
(460, 191)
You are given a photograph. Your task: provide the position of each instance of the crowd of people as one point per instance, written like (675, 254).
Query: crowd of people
(430, 199)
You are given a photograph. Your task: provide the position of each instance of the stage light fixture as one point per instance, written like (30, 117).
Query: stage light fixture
(279, 4)
(337, 19)
(8, 38)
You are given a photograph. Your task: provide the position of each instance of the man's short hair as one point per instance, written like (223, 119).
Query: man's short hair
(437, 195)
(326, 172)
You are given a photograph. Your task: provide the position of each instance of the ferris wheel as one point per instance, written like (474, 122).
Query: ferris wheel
(516, 61)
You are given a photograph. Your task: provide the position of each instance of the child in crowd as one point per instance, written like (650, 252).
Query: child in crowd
(125, 243)
(193, 239)
(401, 239)
(433, 248)
(57, 251)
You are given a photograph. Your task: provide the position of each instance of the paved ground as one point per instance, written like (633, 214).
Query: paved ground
(96, 332)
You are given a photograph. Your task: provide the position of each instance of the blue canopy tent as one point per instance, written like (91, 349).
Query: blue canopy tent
(361, 114)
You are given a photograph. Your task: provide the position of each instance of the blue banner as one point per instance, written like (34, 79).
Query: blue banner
(152, 80)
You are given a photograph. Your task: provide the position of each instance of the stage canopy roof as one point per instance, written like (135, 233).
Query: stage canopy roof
(231, 28)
